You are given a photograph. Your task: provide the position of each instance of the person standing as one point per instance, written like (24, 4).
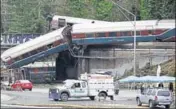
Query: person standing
(171, 87)
(160, 85)
(142, 89)
(10, 81)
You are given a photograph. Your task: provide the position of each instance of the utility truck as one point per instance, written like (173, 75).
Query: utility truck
(89, 85)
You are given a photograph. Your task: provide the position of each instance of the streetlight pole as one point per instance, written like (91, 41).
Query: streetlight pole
(134, 24)
(134, 70)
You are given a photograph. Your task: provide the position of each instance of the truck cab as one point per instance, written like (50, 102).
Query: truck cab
(70, 88)
(79, 89)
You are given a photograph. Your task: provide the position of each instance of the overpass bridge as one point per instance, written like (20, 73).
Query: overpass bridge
(77, 38)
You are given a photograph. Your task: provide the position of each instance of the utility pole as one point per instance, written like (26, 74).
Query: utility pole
(134, 24)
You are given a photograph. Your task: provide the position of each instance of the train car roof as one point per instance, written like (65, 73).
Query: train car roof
(75, 20)
(33, 42)
(122, 26)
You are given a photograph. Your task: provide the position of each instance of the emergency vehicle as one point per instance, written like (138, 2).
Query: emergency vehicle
(89, 85)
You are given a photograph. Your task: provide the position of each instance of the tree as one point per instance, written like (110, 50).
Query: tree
(103, 9)
(27, 17)
(95, 9)
(77, 8)
(154, 9)
(30, 16)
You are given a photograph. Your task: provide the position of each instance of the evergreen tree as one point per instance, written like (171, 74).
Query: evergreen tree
(157, 9)
(30, 16)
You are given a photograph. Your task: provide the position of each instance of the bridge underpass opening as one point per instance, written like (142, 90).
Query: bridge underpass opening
(66, 66)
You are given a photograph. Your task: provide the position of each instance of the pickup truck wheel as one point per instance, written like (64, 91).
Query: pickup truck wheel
(167, 106)
(151, 104)
(138, 102)
(64, 97)
(102, 94)
(92, 97)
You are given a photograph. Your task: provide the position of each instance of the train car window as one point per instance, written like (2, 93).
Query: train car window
(44, 48)
(25, 55)
(112, 34)
(20, 57)
(15, 59)
(121, 34)
(90, 35)
(10, 61)
(100, 35)
(144, 32)
(78, 35)
(130, 33)
(150, 32)
(41, 49)
(125, 33)
(48, 46)
(29, 54)
(33, 52)
(38, 50)
(56, 43)
(107, 34)
(61, 22)
(156, 32)
(118, 33)
(138, 33)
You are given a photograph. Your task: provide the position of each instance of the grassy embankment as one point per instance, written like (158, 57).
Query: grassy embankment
(167, 68)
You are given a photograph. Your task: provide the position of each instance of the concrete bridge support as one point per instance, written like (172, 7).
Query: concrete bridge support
(124, 60)
(66, 66)
(70, 67)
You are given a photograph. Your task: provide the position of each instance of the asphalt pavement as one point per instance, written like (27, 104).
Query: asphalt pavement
(38, 97)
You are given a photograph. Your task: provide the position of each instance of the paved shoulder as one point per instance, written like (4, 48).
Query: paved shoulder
(5, 97)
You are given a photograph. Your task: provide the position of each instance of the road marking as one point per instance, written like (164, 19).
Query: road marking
(20, 106)
(84, 106)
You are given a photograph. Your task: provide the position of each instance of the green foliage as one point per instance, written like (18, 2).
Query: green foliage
(27, 17)
(143, 10)
(77, 8)
(97, 9)
(30, 16)
(103, 9)
(157, 9)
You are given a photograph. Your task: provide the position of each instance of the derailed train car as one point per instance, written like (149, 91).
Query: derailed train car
(94, 33)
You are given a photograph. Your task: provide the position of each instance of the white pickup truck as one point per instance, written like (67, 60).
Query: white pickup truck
(89, 85)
